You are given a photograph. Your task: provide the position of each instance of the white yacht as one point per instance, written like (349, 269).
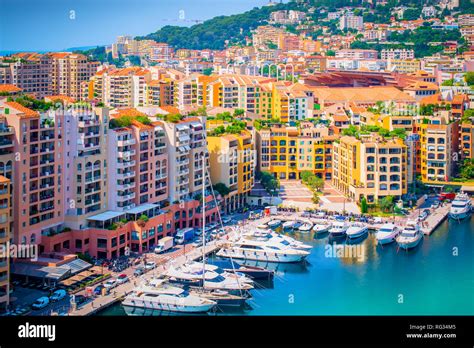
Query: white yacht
(321, 228)
(168, 298)
(357, 230)
(273, 237)
(190, 275)
(292, 225)
(338, 228)
(274, 223)
(461, 207)
(387, 233)
(411, 236)
(305, 227)
(262, 251)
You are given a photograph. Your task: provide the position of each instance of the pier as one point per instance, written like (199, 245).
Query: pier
(433, 220)
(120, 292)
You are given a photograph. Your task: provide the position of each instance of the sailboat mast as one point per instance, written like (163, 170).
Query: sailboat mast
(204, 220)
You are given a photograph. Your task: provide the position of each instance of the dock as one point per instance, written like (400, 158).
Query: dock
(120, 292)
(435, 219)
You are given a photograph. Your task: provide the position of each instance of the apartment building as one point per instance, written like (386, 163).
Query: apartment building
(356, 54)
(186, 144)
(290, 102)
(69, 71)
(287, 151)
(84, 161)
(5, 205)
(467, 140)
(439, 147)
(370, 167)
(349, 21)
(404, 66)
(232, 164)
(397, 54)
(32, 72)
(39, 197)
(121, 88)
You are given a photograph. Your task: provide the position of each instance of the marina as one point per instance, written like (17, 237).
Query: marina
(383, 279)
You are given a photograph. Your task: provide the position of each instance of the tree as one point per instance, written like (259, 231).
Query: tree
(207, 71)
(363, 206)
(469, 78)
(316, 198)
(222, 189)
(330, 53)
(386, 203)
(269, 182)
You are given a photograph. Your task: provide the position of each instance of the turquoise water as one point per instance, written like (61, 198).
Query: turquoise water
(436, 278)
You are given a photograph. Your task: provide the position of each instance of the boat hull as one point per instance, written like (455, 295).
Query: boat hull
(170, 307)
(258, 256)
(460, 216)
(409, 245)
(357, 234)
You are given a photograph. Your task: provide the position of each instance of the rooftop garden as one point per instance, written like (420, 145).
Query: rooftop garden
(366, 130)
(32, 103)
(171, 118)
(126, 121)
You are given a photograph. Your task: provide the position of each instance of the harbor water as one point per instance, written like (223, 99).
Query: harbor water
(436, 278)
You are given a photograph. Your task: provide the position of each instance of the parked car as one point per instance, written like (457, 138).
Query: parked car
(138, 271)
(40, 303)
(150, 265)
(226, 220)
(449, 196)
(123, 278)
(423, 215)
(58, 295)
(80, 299)
(110, 284)
(435, 205)
(98, 290)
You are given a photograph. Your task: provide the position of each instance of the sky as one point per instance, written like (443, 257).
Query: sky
(42, 25)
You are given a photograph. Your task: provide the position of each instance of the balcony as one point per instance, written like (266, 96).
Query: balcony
(123, 165)
(93, 179)
(123, 176)
(127, 142)
(126, 197)
(123, 187)
(126, 154)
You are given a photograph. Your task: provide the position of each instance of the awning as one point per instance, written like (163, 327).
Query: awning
(108, 215)
(141, 208)
(50, 272)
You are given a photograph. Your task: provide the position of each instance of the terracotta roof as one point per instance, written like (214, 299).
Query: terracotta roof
(170, 109)
(22, 110)
(126, 112)
(63, 98)
(9, 88)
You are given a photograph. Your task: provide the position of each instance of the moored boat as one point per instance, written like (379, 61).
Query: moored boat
(305, 227)
(274, 223)
(410, 237)
(461, 207)
(338, 229)
(387, 233)
(357, 230)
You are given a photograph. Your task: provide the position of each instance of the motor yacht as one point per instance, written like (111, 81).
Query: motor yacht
(387, 233)
(357, 230)
(461, 207)
(410, 237)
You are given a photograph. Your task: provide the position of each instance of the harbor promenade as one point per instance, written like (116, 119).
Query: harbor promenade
(119, 293)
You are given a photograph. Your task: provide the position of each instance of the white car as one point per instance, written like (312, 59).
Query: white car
(40, 303)
(110, 284)
(58, 295)
(122, 279)
(150, 265)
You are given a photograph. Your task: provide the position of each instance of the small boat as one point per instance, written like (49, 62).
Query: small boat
(338, 229)
(274, 223)
(461, 207)
(357, 230)
(387, 233)
(221, 297)
(289, 225)
(305, 227)
(320, 228)
(410, 237)
(253, 272)
(262, 227)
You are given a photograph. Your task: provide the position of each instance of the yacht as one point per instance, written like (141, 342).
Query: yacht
(338, 229)
(221, 297)
(253, 272)
(262, 251)
(461, 207)
(357, 230)
(168, 298)
(273, 237)
(321, 228)
(292, 225)
(274, 223)
(387, 233)
(305, 227)
(411, 236)
(208, 279)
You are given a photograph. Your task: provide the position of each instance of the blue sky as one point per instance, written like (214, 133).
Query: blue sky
(46, 25)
